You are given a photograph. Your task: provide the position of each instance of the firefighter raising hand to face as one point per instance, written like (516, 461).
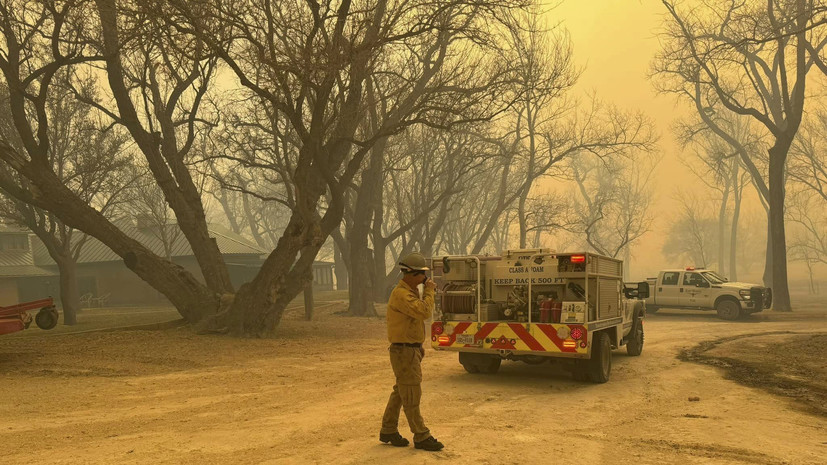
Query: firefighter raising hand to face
(407, 313)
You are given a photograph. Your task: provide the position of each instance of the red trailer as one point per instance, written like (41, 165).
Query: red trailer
(16, 317)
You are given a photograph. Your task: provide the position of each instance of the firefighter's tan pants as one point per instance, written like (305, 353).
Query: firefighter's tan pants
(407, 392)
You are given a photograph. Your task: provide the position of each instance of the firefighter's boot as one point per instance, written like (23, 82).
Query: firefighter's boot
(430, 444)
(395, 439)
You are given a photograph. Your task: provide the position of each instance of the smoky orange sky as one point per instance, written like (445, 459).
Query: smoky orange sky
(614, 42)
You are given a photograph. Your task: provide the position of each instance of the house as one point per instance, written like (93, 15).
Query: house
(27, 272)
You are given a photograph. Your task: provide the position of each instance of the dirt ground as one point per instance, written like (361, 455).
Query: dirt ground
(315, 394)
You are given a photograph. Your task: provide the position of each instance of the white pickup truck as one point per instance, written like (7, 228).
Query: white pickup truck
(703, 289)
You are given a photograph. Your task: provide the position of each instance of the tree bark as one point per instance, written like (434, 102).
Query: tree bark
(361, 268)
(308, 301)
(69, 294)
(781, 292)
(768, 273)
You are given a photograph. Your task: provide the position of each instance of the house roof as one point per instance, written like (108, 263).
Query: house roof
(94, 251)
(16, 257)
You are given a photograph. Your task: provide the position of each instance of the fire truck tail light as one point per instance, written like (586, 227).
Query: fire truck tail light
(436, 328)
(578, 259)
(448, 330)
(576, 333)
(444, 340)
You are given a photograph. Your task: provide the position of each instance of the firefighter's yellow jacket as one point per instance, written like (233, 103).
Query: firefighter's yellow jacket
(407, 313)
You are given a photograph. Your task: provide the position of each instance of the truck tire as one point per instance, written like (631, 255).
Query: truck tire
(634, 346)
(580, 372)
(728, 309)
(599, 366)
(490, 364)
(467, 361)
(480, 363)
(46, 318)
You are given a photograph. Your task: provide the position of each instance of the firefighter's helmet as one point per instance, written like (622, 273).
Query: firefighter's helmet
(412, 262)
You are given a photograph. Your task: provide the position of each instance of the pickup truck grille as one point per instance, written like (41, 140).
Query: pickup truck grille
(761, 294)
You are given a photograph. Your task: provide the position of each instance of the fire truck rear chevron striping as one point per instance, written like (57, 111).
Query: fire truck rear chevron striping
(535, 306)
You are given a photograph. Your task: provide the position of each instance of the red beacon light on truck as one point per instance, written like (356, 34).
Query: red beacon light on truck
(690, 268)
(578, 259)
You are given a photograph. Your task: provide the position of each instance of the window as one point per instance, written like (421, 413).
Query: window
(713, 277)
(670, 278)
(693, 279)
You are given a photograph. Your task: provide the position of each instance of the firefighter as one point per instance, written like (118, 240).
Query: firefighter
(407, 313)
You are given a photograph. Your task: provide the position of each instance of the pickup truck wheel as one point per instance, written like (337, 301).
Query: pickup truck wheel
(46, 318)
(635, 345)
(728, 310)
(599, 366)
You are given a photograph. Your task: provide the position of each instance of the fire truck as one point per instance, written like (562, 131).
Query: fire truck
(537, 306)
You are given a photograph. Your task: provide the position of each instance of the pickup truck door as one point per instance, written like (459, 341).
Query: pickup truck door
(695, 291)
(669, 289)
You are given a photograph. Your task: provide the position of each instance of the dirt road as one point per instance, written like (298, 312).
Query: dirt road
(172, 397)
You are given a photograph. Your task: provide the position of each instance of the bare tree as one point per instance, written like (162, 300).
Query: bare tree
(720, 170)
(808, 156)
(693, 234)
(719, 49)
(151, 211)
(89, 160)
(612, 208)
(39, 40)
(320, 88)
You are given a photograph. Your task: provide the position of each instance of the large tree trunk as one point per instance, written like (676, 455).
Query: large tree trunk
(768, 274)
(780, 289)
(361, 292)
(361, 274)
(257, 307)
(69, 293)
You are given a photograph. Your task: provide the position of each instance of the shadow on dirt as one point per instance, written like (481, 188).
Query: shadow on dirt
(785, 363)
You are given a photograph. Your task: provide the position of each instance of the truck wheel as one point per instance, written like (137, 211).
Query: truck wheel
(599, 366)
(480, 363)
(46, 318)
(728, 310)
(635, 345)
(468, 362)
(489, 365)
(580, 372)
